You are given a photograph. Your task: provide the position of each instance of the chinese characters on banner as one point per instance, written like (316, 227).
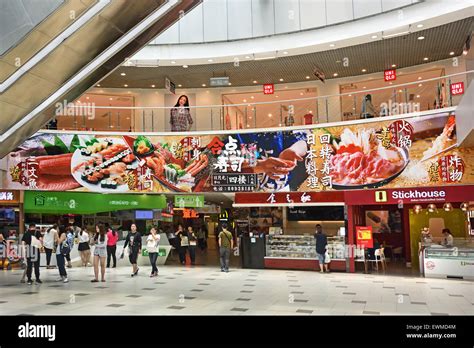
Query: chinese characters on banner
(450, 168)
(401, 133)
(231, 157)
(324, 180)
(390, 75)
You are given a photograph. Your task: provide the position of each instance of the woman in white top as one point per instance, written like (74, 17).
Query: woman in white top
(152, 248)
(84, 248)
(100, 252)
(48, 244)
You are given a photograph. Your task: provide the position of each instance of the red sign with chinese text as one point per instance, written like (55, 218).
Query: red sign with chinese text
(457, 88)
(268, 88)
(364, 236)
(390, 75)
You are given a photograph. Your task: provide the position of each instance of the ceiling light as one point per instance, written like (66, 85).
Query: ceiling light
(335, 74)
(390, 83)
(420, 85)
(432, 208)
(285, 52)
(417, 95)
(301, 93)
(210, 60)
(269, 115)
(394, 65)
(153, 86)
(252, 97)
(245, 100)
(350, 95)
(111, 98)
(173, 62)
(276, 96)
(332, 45)
(230, 83)
(180, 85)
(123, 74)
(419, 26)
(125, 85)
(364, 87)
(374, 36)
(204, 85)
(185, 66)
(308, 77)
(247, 57)
(451, 53)
(419, 77)
(281, 80)
(421, 37)
(464, 206)
(400, 91)
(425, 59)
(447, 207)
(264, 58)
(254, 81)
(98, 85)
(364, 70)
(417, 209)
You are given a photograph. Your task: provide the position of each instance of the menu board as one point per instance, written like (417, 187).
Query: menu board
(392, 152)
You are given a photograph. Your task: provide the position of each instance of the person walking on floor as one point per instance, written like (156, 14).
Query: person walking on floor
(192, 245)
(62, 249)
(31, 242)
(202, 238)
(70, 241)
(134, 243)
(48, 244)
(84, 247)
(100, 252)
(183, 243)
(152, 247)
(112, 238)
(226, 244)
(321, 245)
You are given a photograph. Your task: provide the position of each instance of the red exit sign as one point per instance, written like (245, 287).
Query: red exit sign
(268, 88)
(390, 75)
(457, 88)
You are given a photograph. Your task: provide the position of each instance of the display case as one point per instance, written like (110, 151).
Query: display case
(440, 262)
(302, 246)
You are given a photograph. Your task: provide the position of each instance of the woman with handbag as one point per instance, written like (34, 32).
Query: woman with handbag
(62, 249)
(100, 252)
(183, 243)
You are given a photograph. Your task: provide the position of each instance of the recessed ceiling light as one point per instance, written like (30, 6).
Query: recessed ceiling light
(417, 95)
(421, 37)
(285, 52)
(281, 80)
(364, 70)
(419, 26)
(400, 91)
(269, 115)
(394, 65)
(123, 74)
(301, 93)
(230, 83)
(364, 87)
(247, 57)
(125, 85)
(111, 98)
(153, 86)
(350, 95)
(185, 66)
(180, 85)
(173, 62)
(335, 74)
(390, 83)
(276, 96)
(420, 85)
(204, 85)
(245, 100)
(254, 81)
(425, 59)
(308, 77)
(252, 97)
(451, 53)
(419, 77)
(332, 45)
(98, 85)
(374, 36)
(87, 98)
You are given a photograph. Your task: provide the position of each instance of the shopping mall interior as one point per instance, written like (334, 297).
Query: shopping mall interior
(331, 140)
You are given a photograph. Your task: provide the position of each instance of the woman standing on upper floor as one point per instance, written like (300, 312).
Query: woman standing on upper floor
(180, 116)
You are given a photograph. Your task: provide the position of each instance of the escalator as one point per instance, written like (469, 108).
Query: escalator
(64, 48)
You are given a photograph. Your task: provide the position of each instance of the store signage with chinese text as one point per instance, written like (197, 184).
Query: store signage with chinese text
(189, 201)
(390, 75)
(9, 197)
(457, 88)
(290, 198)
(364, 236)
(268, 88)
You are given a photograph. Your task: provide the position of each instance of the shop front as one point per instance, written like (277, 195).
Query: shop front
(409, 222)
(11, 213)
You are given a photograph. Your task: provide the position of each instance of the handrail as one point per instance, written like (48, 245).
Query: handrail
(289, 100)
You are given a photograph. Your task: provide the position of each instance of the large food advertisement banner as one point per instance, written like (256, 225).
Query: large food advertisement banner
(410, 152)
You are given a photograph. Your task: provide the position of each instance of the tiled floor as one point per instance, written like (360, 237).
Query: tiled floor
(205, 290)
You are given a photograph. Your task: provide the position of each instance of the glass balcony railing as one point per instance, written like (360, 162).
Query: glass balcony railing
(393, 99)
